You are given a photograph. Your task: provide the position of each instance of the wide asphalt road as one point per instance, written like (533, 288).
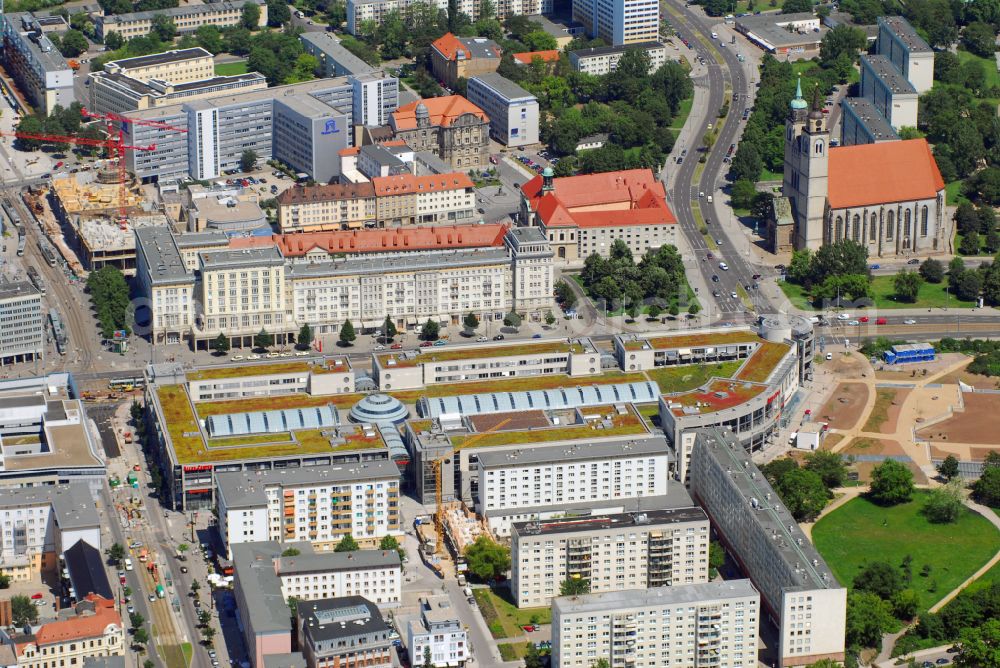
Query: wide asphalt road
(691, 209)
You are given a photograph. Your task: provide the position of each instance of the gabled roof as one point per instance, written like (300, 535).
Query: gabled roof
(443, 237)
(895, 171)
(441, 110)
(83, 626)
(457, 48)
(526, 57)
(309, 194)
(636, 196)
(401, 184)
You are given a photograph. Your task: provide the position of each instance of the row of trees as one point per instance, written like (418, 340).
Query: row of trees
(978, 227)
(109, 295)
(986, 355)
(67, 122)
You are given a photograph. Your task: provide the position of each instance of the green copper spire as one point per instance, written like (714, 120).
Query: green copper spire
(798, 102)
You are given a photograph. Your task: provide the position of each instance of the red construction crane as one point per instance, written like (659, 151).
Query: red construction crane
(116, 150)
(120, 147)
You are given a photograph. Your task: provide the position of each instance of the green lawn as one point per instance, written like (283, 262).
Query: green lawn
(860, 531)
(931, 295)
(231, 69)
(188, 652)
(503, 618)
(684, 378)
(682, 114)
(953, 193)
(989, 64)
(512, 651)
(986, 579)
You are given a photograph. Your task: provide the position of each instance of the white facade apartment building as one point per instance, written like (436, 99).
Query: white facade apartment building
(612, 552)
(566, 474)
(177, 66)
(513, 111)
(165, 283)
(359, 11)
(619, 22)
(309, 575)
(709, 624)
(22, 323)
(439, 628)
(319, 505)
(37, 524)
(797, 588)
(603, 60)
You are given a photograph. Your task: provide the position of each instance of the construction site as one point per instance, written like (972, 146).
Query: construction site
(89, 209)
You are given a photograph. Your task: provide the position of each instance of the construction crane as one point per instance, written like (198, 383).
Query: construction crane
(439, 473)
(117, 148)
(114, 147)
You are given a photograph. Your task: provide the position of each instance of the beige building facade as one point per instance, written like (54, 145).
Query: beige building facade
(187, 18)
(611, 552)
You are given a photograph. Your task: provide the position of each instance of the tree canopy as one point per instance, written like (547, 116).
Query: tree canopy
(892, 483)
(487, 560)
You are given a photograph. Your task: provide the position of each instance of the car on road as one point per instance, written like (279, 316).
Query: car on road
(723, 266)
(152, 598)
(481, 339)
(184, 569)
(36, 596)
(863, 318)
(680, 160)
(734, 295)
(716, 293)
(426, 344)
(131, 609)
(756, 277)
(854, 323)
(440, 343)
(536, 336)
(211, 653)
(498, 337)
(881, 321)
(255, 356)
(396, 346)
(913, 261)
(875, 266)
(942, 661)
(909, 321)
(829, 356)
(379, 347)
(709, 256)
(715, 278)
(302, 353)
(843, 316)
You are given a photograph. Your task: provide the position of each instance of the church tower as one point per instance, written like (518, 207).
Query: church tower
(807, 160)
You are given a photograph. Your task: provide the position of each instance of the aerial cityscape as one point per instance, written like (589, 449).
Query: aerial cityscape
(499, 334)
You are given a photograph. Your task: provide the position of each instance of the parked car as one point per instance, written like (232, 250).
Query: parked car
(863, 318)
(396, 346)
(536, 336)
(481, 339)
(875, 266)
(426, 344)
(843, 316)
(440, 343)
(913, 261)
(498, 337)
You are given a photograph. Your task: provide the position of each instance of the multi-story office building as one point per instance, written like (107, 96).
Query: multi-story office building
(619, 22)
(316, 504)
(94, 629)
(374, 98)
(22, 324)
(41, 73)
(438, 628)
(310, 575)
(242, 292)
(900, 43)
(187, 18)
(884, 86)
(38, 524)
(165, 282)
(308, 136)
(513, 111)
(119, 94)
(178, 66)
(611, 552)
(710, 624)
(586, 214)
(560, 474)
(335, 60)
(798, 589)
(451, 127)
(604, 59)
(344, 631)
(221, 127)
(454, 58)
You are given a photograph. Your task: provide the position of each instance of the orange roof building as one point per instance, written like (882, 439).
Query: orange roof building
(888, 196)
(95, 630)
(582, 215)
(526, 57)
(322, 245)
(451, 127)
(453, 58)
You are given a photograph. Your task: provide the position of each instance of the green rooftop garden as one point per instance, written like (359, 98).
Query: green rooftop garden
(762, 362)
(697, 340)
(246, 370)
(314, 439)
(736, 393)
(623, 425)
(274, 403)
(444, 354)
(688, 377)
